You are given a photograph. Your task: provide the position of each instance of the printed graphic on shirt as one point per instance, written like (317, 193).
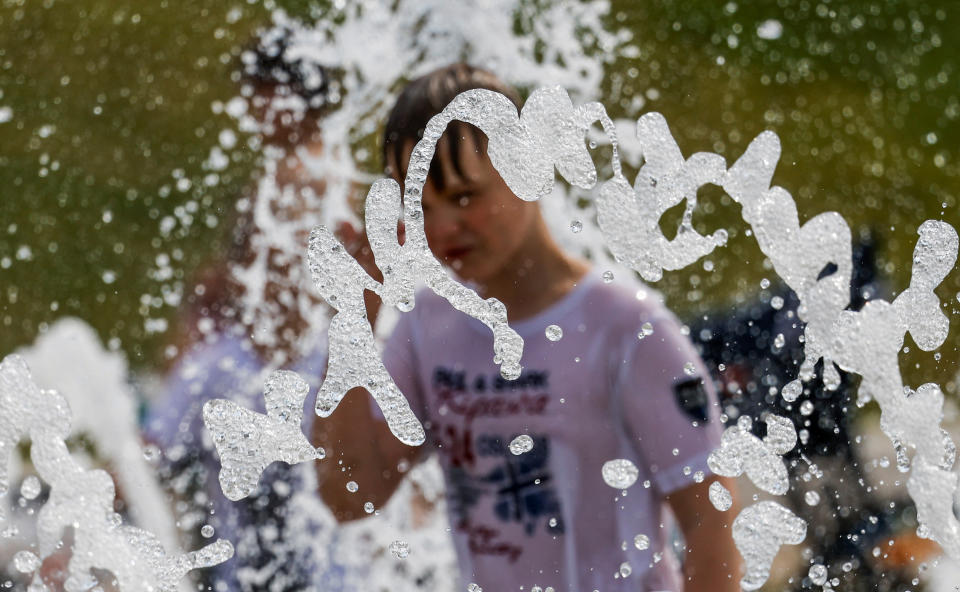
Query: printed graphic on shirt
(483, 473)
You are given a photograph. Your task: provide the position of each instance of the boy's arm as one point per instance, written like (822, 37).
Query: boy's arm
(675, 419)
(359, 445)
(712, 562)
(360, 448)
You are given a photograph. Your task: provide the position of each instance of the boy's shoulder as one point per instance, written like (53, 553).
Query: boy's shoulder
(625, 304)
(618, 305)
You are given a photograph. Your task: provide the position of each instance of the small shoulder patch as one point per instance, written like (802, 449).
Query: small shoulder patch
(691, 396)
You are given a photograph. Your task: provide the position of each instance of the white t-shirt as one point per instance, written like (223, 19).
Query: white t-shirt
(546, 517)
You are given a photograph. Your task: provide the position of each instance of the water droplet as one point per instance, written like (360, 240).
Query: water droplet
(806, 408)
(698, 477)
(472, 587)
(576, 226)
(689, 369)
(30, 488)
(206, 531)
(554, 333)
(779, 341)
(818, 574)
(511, 371)
(520, 444)
(776, 303)
(151, 453)
(26, 562)
(352, 486)
(903, 461)
(405, 305)
(770, 29)
(812, 498)
(619, 473)
(720, 496)
(400, 549)
(607, 276)
(368, 507)
(625, 570)
(552, 522)
(791, 391)
(764, 283)
(642, 542)
(646, 329)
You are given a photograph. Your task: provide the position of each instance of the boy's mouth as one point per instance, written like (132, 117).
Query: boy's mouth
(456, 253)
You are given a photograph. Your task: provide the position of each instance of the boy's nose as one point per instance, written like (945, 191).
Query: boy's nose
(443, 223)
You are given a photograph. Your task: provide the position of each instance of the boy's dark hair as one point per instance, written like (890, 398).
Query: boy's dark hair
(265, 62)
(425, 97)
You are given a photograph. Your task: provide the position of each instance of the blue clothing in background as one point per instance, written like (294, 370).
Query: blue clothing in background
(275, 531)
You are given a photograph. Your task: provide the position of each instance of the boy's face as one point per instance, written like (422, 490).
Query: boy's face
(473, 222)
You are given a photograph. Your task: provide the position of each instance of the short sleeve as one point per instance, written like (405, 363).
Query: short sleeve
(668, 402)
(400, 360)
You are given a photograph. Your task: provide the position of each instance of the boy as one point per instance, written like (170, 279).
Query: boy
(543, 517)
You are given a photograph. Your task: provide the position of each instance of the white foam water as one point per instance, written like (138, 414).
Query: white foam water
(83, 499)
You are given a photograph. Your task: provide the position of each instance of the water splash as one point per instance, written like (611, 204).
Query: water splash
(549, 133)
(759, 531)
(526, 148)
(720, 496)
(81, 499)
(762, 460)
(630, 216)
(866, 342)
(248, 441)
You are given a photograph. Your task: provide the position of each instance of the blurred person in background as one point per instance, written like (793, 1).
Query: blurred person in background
(250, 313)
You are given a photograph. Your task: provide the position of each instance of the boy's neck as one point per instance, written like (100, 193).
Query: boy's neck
(541, 275)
